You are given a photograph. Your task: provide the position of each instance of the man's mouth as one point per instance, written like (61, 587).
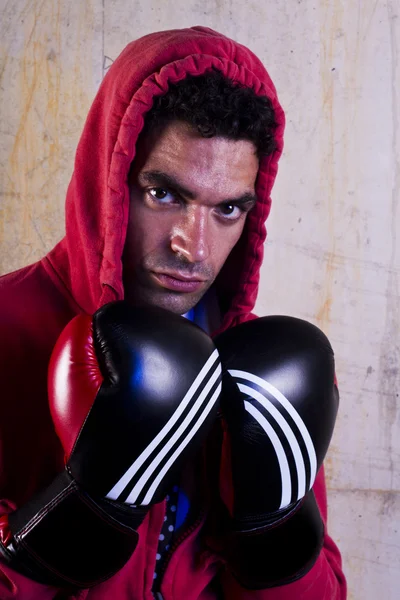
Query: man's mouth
(178, 282)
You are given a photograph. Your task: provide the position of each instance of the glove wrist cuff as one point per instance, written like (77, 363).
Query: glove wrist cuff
(255, 524)
(95, 545)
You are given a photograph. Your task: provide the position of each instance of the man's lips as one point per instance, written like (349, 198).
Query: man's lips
(178, 282)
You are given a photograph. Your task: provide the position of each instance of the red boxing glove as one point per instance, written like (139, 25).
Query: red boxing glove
(132, 393)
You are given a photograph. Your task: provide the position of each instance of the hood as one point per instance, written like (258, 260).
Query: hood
(89, 259)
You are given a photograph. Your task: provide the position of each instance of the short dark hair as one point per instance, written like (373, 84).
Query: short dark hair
(217, 106)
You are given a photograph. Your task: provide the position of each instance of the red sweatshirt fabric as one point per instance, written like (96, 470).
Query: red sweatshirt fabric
(84, 271)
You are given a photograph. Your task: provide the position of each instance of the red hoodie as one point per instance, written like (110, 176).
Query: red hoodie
(84, 271)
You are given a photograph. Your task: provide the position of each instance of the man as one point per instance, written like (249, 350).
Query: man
(166, 208)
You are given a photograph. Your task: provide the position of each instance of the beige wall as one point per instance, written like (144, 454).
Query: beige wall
(332, 254)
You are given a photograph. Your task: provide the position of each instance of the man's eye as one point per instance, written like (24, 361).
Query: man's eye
(161, 195)
(230, 211)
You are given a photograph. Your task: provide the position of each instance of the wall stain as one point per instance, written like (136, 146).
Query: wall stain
(28, 149)
(53, 85)
(331, 25)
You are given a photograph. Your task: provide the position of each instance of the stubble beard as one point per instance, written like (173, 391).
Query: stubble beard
(175, 302)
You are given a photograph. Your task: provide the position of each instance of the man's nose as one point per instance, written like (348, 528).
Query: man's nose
(190, 237)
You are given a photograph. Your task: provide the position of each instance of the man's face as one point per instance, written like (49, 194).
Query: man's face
(189, 201)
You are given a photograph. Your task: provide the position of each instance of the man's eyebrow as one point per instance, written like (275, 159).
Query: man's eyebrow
(247, 199)
(158, 178)
(164, 180)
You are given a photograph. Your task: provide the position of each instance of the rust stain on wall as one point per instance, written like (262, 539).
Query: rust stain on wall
(339, 76)
(35, 150)
(330, 26)
(47, 76)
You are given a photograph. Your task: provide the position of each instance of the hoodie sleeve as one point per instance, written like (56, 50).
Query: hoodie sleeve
(14, 586)
(325, 581)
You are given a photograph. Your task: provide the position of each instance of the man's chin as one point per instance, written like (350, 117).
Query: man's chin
(178, 303)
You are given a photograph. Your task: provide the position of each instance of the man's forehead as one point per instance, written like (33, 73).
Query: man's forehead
(190, 159)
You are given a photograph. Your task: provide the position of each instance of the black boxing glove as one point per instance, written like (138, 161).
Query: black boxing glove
(279, 405)
(132, 393)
